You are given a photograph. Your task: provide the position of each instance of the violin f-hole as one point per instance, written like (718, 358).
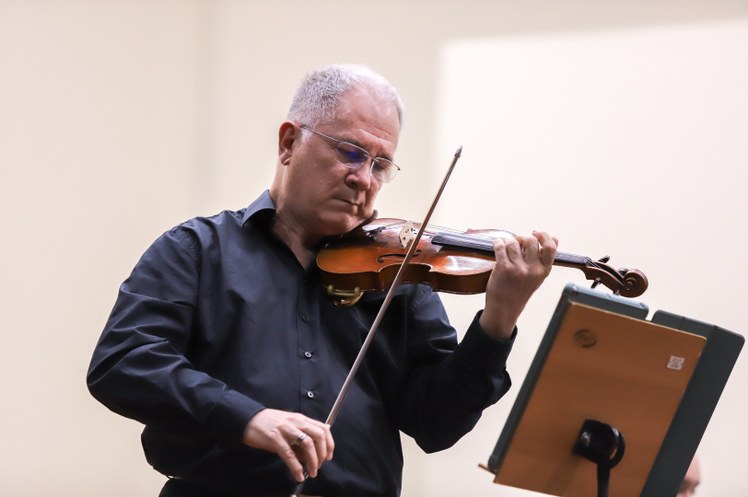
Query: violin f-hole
(382, 258)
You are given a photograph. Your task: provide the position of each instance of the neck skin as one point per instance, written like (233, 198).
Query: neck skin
(294, 236)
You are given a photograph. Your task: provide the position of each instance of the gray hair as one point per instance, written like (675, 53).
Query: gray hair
(318, 93)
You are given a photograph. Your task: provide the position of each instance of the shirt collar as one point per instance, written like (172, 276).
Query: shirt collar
(262, 209)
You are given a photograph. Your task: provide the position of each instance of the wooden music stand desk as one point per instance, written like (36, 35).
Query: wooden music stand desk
(656, 382)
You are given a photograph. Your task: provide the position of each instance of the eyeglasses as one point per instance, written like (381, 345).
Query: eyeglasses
(353, 156)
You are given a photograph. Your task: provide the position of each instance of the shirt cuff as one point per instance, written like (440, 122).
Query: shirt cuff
(479, 352)
(230, 416)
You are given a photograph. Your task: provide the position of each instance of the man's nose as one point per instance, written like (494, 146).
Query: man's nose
(361, 176)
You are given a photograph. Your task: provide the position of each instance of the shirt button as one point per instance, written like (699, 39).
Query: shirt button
(307, 354)
(310, 394)
(305, 318)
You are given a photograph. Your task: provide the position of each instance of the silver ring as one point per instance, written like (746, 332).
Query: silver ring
(300, 438)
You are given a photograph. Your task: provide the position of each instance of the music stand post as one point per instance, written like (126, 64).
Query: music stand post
(655, 383)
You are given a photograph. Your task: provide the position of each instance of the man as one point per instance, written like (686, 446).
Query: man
(224, 344)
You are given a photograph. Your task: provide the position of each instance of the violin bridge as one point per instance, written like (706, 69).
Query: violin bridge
(407, 234)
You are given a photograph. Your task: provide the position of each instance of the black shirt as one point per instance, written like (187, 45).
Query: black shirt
(218, 320)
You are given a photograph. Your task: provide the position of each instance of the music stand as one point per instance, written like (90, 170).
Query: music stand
(655, 383)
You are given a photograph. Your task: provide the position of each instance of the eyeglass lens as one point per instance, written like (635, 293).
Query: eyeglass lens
(354, 157)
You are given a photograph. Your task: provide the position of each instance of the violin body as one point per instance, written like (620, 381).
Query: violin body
(369, 257)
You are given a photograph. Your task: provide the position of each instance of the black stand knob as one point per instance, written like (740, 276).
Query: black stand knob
(603, 445)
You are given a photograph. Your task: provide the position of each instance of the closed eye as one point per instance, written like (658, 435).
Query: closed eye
(351, 154)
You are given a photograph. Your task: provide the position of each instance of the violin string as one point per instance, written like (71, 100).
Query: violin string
(436, 229)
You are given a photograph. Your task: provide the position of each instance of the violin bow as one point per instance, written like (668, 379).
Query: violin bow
(385, 305)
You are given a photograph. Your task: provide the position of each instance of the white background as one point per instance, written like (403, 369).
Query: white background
(618, 126)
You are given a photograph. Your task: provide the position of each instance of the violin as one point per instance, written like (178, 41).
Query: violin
(368, 258)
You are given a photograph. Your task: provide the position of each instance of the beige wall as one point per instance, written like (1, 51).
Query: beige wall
(627, 141)
(119, 119)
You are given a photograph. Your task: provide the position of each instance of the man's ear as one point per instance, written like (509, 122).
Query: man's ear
(288, 133)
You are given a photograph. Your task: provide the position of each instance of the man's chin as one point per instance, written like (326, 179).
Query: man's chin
(342, 224)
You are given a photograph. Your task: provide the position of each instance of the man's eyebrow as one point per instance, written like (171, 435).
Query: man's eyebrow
(355, 142)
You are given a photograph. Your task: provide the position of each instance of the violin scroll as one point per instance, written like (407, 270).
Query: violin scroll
(635, 282)
(624, 282)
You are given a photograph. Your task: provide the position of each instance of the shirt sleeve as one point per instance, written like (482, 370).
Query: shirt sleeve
(140, 367)
(449, 386)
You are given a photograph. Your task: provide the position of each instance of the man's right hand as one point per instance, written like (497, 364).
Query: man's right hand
(302, 443)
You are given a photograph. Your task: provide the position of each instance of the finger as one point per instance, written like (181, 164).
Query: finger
(323, 441)
(507, 250)
(305, 448)
(330, 442)
(499, 249)
(321, 444)
(548, 246)
(291, 460)
(530, 247)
